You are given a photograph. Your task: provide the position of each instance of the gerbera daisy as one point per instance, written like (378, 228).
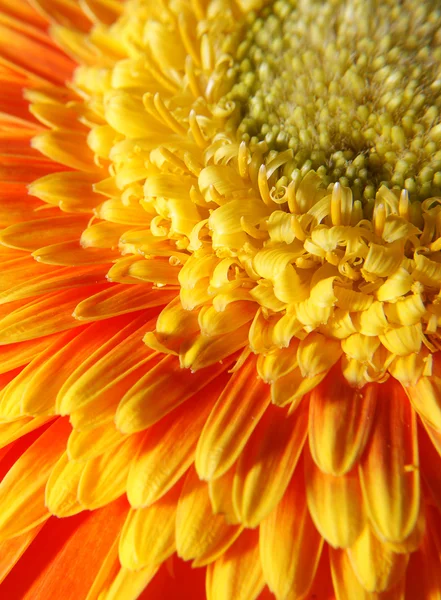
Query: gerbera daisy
(220, 299)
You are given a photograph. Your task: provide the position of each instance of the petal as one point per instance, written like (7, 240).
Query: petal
(62, 487)
(424, 571)
(290, 545)
(237, 574)
(272, 451)
(155, 470)
(231, 422)
(347, 586)
(41, 317)
(329, 496)
(162, 389)
(148, 534)
(340, 420)
(200, 534)
(22, 489)
(120, 299)
(375, 565)
(12, 550)
(105, 367)
(81, 542)
(389, 469)
(220, 491)
(104, 477)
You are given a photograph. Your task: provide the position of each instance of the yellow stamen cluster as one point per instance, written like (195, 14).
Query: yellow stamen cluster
(302, 250)
(352, 87)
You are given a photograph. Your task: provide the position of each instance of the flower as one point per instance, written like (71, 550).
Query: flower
(220, 300)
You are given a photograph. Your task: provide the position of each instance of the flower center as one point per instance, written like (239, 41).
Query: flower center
(353, 88)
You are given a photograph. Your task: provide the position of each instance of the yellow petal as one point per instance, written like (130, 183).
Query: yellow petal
(62, 487)
(231, 422)
(148, 534)
(375, 565)
(104, 477)
(274, 447)
(201, 535)
(237, 574)
(317, 354)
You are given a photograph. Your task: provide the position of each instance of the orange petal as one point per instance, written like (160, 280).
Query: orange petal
(329, 496)
(273, 448)
(200, 534)
(423, 578)
(340, 420)
(18, 51)
(375, 565)
(81, 542)
(176, 579)
(148, 534)
(237, 574)
(47, 314)
(389, 469)
(162, 389)
(61, 279)
(22, 489)
(29, 235)
(290, 545)
(430, 458)
(155, 470)
(231, 422)
(110, 362)
(12, 550)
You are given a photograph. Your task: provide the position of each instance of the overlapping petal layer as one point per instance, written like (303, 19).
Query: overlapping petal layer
(222, 358)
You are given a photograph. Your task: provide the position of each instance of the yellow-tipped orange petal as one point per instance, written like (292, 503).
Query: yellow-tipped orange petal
(375, 565)
(220, 491)
(104, 477)
(231, 422)
(237, 574)
(425, 396)
(120, 299)
(22, 489)
(148, 534)
(61, 493)
(340, 420)
(162, 389)
(329, 496)
(348, 587)
(201, 535)
(389, 469)
(290, 545)
(155, 470)
(273, 448)
(86, 444)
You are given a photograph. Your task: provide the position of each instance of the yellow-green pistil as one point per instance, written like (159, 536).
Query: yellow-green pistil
(352, 87)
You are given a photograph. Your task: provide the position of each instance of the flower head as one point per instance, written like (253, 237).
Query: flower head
(220, 297)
